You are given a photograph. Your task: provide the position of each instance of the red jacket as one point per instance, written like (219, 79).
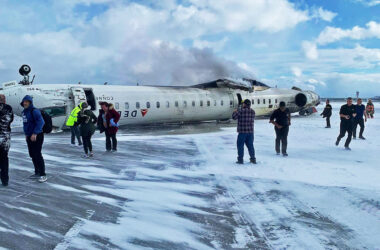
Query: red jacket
(112, 114)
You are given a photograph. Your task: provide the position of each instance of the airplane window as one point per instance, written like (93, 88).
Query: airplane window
(193, 103)
(185, 104)
(116, 105)
(167, 104)
(201, 104)
(270, 101)
(137, 105)
(158, 105)
(176, 103)
(275, 101)
(263, 101)
(214, 102)
(208, 103)
(258, 101)
(231, 103)
(148, 105)
(221, 103)
(126, 105)
(253, 101)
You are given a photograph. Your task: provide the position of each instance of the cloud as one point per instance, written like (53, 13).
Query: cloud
(296, 71)
(310, 50)
(332, 34)
(369, 3)
(217, 45)
(323, 14)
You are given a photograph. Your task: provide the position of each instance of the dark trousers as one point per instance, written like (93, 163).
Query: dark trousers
(328, 121)
(110, 137)
(87, 144)
(247, 139)
(35, 152)
(4, 166)
(357, 122)
(281, 138)
(75, 133)
(345, 127)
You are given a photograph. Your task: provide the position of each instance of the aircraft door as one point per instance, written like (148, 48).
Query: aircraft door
(240, 100)
(78, 95)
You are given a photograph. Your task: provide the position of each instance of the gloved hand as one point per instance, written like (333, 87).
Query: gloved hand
(113, 124)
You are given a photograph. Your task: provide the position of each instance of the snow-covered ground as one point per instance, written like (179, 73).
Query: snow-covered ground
(177, 187)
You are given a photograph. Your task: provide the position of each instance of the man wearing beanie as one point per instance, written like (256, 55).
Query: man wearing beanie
(245, 116)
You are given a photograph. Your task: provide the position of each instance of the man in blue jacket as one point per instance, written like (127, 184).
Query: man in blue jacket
(33, 124)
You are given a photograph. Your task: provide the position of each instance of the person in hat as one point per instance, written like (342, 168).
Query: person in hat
(245, 127)
(87, 121)
(280, 118)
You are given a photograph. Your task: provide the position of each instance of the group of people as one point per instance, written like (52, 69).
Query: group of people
(351, 117)
(82, 122)
(245, 116)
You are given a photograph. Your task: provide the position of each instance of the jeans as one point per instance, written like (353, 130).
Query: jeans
(4, 166)
(345, 127)
(247, 139)
(359, 122)
(110, 137)
(282, 138)
(328, 121)
(75, 133)
(35, 152)
(87, 144)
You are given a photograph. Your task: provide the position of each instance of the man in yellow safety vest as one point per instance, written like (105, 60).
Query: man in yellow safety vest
(72, 122)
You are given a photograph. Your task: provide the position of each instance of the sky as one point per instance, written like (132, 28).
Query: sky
(331, 47)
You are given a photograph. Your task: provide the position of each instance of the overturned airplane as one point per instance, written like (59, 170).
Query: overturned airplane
(209, 101)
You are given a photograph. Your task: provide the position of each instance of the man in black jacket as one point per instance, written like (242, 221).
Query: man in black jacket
(327, 113)
(280, 118)
(6, 118)
(347, 114)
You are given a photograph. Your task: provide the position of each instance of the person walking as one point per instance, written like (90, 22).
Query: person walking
(87, 121)
(327, 112)
(245, 117)
(6, 118)
(359, 120)
(33, 123)
(347, 114)
(112, 126)
(72, 122)
(370, 109)
(280, 118)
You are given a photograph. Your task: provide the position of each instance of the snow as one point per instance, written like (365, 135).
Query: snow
(178, 188)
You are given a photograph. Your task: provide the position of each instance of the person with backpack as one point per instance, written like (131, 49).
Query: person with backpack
(87, 121)
(33, 122)
(72, 122)
(6, 118)
(327, 112)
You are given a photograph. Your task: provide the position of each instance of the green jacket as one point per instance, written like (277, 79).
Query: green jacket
(87, 122)
(73, 118)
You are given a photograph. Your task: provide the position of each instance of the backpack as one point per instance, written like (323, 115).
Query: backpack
(48, 126)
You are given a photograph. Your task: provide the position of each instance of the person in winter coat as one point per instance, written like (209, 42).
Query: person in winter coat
(245, 117)
(370, 109)
(359, 119)
(72, 122)
(6, 118)
(280, 118)
(347, 114)
(102, 116)
(327, 112)
(33, 125)
(112, 126)
(87, 121)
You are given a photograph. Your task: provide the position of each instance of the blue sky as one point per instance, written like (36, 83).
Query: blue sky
(331, 47)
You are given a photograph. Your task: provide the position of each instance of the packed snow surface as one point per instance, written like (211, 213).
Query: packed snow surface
(178, 187)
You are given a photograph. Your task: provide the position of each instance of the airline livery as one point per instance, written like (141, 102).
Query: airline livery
(210, 101)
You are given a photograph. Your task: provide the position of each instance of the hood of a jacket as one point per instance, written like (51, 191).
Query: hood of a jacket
(27, 98)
